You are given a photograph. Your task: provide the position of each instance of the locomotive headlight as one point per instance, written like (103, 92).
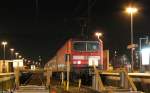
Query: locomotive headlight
(79, 62)
(74, 62)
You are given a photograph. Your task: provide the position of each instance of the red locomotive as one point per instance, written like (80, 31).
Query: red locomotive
(83, 54)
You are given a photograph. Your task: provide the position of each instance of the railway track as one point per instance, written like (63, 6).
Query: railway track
(35, 79)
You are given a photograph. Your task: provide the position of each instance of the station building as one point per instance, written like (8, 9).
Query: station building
(7, 67)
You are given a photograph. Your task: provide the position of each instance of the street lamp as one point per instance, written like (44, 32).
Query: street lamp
(4, 43)
(131, 10)
(11, 51)
(20, 56)
(98, 35)
(16, 54)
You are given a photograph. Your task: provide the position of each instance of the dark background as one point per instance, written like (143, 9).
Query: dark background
(40, 27)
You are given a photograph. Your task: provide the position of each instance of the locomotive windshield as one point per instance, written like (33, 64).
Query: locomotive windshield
(79, 46)
(86, 46)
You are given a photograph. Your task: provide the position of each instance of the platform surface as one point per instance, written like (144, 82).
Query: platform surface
(32, 89)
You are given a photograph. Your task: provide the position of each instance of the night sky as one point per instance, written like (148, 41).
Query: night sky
(40, 28)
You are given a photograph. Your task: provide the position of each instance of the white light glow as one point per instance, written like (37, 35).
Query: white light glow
(131, 10)
(79, 57)
(4, 43)
(79, 62)
(32, 67)
(74, 62)
(18, 63)
(11, 49)
(145, 56)
(93, 61)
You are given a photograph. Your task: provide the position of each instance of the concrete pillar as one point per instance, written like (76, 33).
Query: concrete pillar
(68, 71)
(79, 85)
(17, 82)
(95, 82)
(123, 80)
(62, 78)
(48, 76)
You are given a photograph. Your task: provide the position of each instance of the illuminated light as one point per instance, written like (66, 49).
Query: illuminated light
(25, 60)
(79, 57)
(79, 62)
(145, 56)
(93, 61)
(74, 62)
(12, 49)
(4, 43)
(16, 54)
(29, 61)
(96, 57)
(33, 67)
(20, 56)
(131, 10)
(98, 34)
(18, 63)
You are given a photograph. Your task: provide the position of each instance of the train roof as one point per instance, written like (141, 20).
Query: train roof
(83, 39)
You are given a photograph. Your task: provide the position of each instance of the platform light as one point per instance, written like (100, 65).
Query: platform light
(4, 43)
(16, 54)
(132, 10)
(12, 49)
(20, 56)
(145, 56)
(98, 34)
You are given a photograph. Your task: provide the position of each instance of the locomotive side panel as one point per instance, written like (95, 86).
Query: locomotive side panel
(51, 64)
(60, 56)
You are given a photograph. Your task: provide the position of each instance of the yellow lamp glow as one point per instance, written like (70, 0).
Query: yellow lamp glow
(131, 10)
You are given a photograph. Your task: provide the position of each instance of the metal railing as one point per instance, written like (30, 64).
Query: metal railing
(7, 82)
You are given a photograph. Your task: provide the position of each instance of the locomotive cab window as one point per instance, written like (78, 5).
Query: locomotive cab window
(92, 46)
(79, 46)
(87, 46)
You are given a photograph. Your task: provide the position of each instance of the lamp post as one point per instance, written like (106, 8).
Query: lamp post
(4, 43)
(131, 10)
(98, 35)
(11, 51)
(16, 54)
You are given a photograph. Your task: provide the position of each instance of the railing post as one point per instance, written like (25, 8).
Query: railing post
(126, 80)
(123, 80)
(62, 78)
(98, 81)
(17, 82)
(48, 76)
(93, 81)
(79, 85)
(68, 71)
